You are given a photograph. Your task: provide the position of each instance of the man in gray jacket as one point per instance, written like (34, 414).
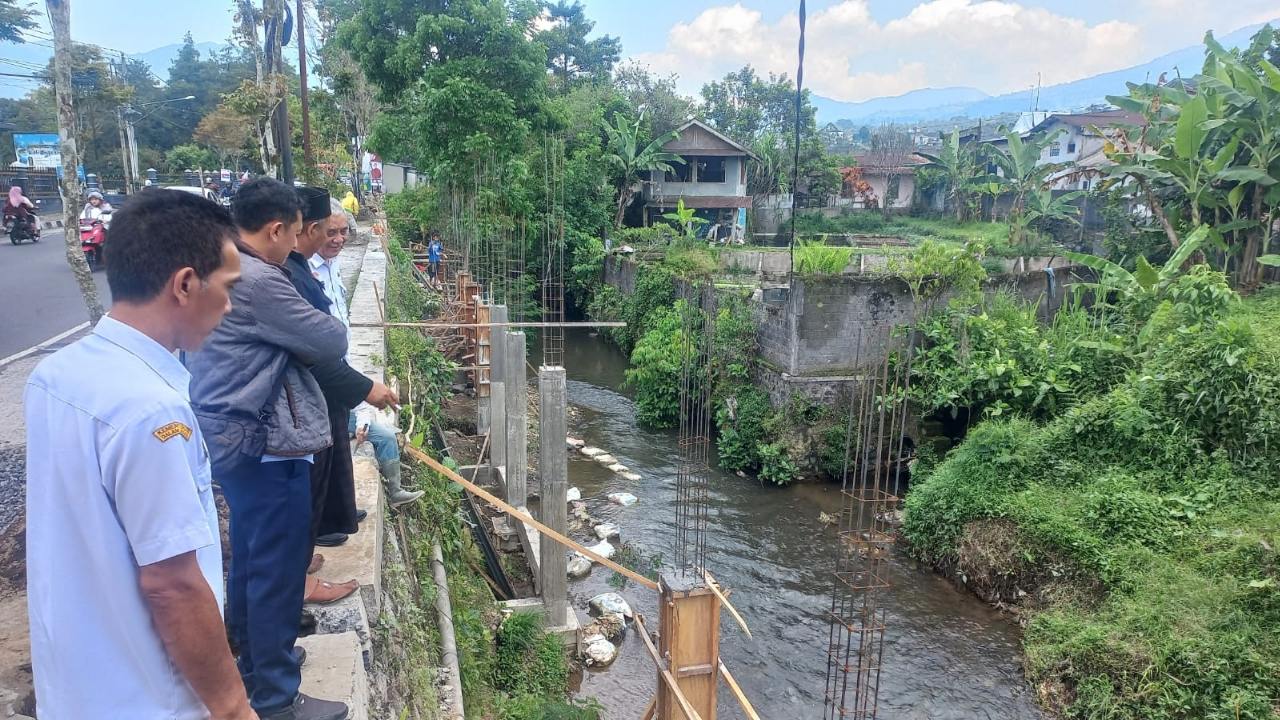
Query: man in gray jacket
(264, 418)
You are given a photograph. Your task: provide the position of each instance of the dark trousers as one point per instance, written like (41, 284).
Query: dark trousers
(270, 549)
(333, 482)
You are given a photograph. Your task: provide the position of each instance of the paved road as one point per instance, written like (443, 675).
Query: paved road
(39, 297)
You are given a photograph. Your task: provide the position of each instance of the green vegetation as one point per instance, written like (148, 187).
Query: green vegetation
(816, 258)
(511, 669)
(915, 230)
(1131, 503)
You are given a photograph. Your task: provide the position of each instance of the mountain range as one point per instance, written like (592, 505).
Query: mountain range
(32, 58)
(930, 104)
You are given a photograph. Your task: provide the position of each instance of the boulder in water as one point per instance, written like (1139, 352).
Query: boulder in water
(606, 459)
(618, 468)
(579, 567)
(575, 443)
(590, 451)
(632, 476)
(573, 494)
(607, 531)
(611, 626)
(622, 498)
(610, 604)
(597, 651)
(603, 549)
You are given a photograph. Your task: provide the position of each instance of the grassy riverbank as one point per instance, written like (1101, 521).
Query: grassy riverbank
(510, 668)
(1137, 526)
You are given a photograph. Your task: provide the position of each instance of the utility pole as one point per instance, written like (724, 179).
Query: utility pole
(124, 151)
(273, 17)
(300, 24)
(72, 190)
(121, 110)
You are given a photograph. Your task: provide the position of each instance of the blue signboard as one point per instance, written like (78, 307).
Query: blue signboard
(40, 150)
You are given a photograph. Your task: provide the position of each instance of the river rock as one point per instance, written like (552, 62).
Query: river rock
(603, 549)
(623, 499)
(597, 651)
(590, 452)
(618, 468)
(607, 531)
(579, 567)
(573, 494)
(606, 459)
(610, 604)
(611, 626)
(575, 443)
(632, 476)
(580, 513)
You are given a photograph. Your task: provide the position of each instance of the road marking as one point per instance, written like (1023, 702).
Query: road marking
(37, 348)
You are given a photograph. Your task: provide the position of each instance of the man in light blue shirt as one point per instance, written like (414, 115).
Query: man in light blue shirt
(124, 565)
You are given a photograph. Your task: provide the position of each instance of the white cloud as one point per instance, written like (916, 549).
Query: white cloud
(994, 45)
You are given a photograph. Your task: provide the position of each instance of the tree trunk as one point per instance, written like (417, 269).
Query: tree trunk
(1249, 269)
(624, 199)
(1158, 210)
(72, 190)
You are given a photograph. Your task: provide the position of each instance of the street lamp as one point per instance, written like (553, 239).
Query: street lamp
(128, 144)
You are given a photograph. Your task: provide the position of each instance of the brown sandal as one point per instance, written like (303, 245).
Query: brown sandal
(317, 562)
(322, 592)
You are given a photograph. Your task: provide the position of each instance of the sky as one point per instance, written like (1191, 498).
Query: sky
(857, 49)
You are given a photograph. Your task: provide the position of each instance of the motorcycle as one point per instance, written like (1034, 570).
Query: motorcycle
(20, 224)
(93, 239)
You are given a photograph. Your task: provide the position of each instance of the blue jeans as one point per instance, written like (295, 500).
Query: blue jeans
(270, 549)
(383, 438)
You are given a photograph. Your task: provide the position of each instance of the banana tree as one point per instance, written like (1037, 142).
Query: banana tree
(959, 165)
(1026, 177)
(685, 218)
(626, 155)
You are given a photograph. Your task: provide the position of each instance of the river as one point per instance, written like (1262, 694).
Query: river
(947, 655)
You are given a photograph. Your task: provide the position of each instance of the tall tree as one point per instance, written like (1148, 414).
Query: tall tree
(744, 106)
(665, 109)
(72, 190)
(630, 156)
(14, 20)
(570, 55)
(466, 79)
(959, 167)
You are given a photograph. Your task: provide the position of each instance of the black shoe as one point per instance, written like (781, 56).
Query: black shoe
(361, 515)
(308, 708)
(331, 540)
(300, 654)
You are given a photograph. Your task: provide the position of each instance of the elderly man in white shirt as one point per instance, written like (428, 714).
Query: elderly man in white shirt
(362, 422)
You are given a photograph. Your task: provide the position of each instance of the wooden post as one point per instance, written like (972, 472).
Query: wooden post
(482, 364)
(689, 641)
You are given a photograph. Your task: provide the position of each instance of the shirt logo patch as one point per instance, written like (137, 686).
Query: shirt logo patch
(172, 430)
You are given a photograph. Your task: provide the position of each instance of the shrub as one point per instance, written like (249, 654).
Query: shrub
(529, 661)
(818, 258)
(776, 466)
(654, 373)
(741, 422)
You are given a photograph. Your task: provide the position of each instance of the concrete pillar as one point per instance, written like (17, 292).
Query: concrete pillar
(517, 395)
(497, 392)
(554, 469)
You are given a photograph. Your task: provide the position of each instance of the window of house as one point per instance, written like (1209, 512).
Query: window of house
(680, 172)
(1071, 146)
(1055, 150)
(711, 170)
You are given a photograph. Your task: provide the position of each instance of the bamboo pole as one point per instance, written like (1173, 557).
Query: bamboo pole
(737, 693)
(448, 325)
(430, 462)
(648, 711)
(667, 677)
(724, 600)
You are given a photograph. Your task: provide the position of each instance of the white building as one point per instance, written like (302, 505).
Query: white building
(1080, 140)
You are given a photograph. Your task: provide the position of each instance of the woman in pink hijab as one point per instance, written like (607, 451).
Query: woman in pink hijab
(20, 207)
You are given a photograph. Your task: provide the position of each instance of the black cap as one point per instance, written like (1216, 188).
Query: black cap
(315, 203)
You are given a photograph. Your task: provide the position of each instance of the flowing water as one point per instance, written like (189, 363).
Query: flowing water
(947, 655)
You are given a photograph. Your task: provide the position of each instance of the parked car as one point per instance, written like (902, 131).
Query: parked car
(205, 193)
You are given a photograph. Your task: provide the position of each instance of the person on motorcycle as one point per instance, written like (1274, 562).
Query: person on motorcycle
(96, 207)
(20, 207)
